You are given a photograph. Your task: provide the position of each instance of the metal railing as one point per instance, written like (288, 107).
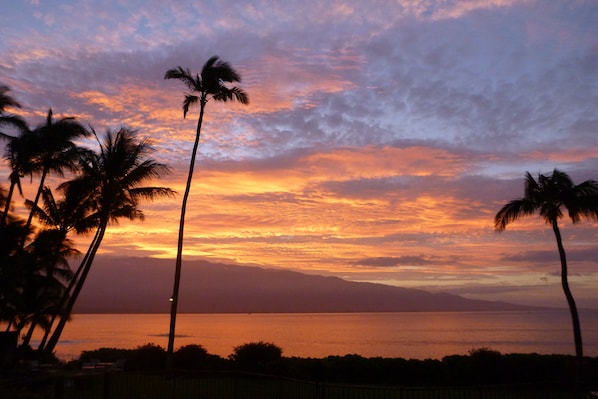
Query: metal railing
(117, 385)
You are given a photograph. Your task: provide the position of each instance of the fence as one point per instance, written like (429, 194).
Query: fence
(117, 385)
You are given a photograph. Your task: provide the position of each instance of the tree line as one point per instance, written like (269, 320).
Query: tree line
(480, 367)
(97, 185)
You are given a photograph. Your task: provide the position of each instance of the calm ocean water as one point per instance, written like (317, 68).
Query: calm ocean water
(407, 335)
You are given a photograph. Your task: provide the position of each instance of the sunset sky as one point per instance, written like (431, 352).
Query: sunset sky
(380, 140)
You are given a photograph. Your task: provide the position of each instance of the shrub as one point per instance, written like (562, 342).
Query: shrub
(105, 355)
(191, 357)
(256, 355)
(148, 357)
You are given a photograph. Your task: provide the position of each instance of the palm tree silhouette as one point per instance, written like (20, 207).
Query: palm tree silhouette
(548, 196)
(210, 84)
(113, 181)
(20, 152)
(55, 149)
(71, 212)
(16, 150)
(49, 273)
(13, 271)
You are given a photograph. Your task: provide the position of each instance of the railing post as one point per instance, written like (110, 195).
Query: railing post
(106, 385)
(59, 387)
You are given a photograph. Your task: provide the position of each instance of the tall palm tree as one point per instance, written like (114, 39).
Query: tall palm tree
(71, 212)
(113, 178)
(15, 151)
(56, 149)
(48, 277)
(548, 196)
(210, 84)
(20, 152)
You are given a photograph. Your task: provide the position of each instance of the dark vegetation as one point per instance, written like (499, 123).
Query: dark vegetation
(258, 370)
(481, 367)
(96, 182)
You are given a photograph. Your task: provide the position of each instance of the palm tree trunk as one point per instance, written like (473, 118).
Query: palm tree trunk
(8, 199)
(38, 315)
(67, 292)
(49, 347)
(37, 195)
(568, 294)
(179, 255)
(29, 334)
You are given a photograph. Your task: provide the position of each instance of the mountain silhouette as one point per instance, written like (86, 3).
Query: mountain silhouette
(144, 285)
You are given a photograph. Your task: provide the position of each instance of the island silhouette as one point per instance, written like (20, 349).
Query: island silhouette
(141, 285)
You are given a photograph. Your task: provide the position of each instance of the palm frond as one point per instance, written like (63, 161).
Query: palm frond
(48, 215)
(583, 201)
(147, 170)
(18, 183)
(15, 121)
(185, 76)
(225, 94)
(561, 179)
(205, 70)
(128, 211)
(151, 192)
(187, 102)
(512, 211)
(531, 186)
(7, 100)
(218, 70)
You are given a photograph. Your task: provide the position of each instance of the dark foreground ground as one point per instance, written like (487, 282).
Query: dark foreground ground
(259, 371)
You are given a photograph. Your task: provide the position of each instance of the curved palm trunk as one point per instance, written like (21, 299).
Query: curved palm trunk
(49, 347)
(39, 315)
(29, 334)
(568, 294)
(37, 195)
(179, 256)
(8, 200)
(68, 291)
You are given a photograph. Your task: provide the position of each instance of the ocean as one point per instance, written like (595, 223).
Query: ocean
(410, 335)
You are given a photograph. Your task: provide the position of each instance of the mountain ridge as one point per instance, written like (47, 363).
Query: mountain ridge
(144, 285)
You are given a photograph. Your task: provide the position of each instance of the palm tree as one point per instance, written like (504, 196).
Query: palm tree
(20, 152)
(56, 150)
(13, 270)
(71, 212)
(112, 179)
(209, 85)
(47, 279)
(15, 151)
(548, 196)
